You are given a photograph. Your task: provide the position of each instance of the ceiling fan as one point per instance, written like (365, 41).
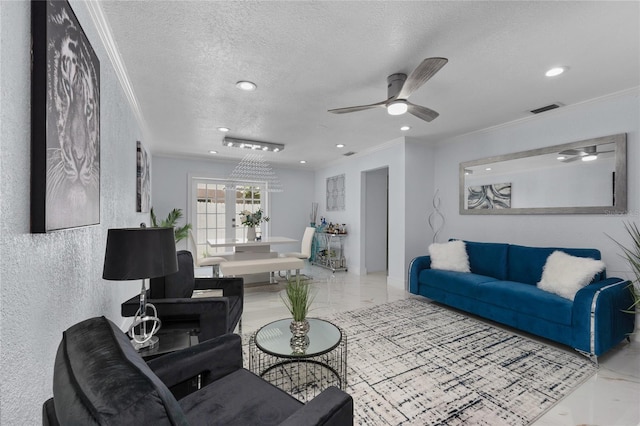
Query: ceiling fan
(399, 88)
(587, 153)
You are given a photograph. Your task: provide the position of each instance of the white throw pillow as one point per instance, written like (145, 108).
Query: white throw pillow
(564, 274)
(451, 256)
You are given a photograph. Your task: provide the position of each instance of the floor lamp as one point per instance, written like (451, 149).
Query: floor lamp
(141, 253)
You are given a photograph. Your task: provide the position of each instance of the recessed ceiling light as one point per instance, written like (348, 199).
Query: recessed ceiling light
(397, 107)
(589, 157)
(488, 169)
(246, 86)
(561, 158)
(405, 128)
(303, 162)
(223, 129)
(555, 71)
(213, 152)
(340, 145)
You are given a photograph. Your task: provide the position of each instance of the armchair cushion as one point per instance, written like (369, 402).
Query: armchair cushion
(261, 402)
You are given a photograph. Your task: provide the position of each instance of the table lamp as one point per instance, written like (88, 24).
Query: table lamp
(140, 253)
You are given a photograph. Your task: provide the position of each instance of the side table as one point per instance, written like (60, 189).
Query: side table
(303, 375)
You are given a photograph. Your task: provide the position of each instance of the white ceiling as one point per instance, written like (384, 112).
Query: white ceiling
(183, 59)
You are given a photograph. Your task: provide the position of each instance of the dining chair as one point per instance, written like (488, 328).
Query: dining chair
(206, 260)
(305, 248)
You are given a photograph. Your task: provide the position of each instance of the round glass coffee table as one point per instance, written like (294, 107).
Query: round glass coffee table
(301, 372)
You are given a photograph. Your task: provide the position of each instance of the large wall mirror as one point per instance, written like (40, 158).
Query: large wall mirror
(588, 176)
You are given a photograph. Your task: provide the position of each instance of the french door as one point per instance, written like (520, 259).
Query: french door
(215, 211)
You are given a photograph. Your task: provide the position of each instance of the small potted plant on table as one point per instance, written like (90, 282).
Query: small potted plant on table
(298, 300)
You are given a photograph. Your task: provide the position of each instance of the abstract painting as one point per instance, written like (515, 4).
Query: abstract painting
(143, 179)
(65, 119)
(494, 196)
(335, 193)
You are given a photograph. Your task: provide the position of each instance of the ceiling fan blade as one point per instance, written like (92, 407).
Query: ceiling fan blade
(421, 112)
(420, 75)
(357, 108)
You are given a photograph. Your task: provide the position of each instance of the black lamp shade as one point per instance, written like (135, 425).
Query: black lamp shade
(136, 253)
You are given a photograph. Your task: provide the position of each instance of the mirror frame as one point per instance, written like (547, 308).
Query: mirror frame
(620, 184)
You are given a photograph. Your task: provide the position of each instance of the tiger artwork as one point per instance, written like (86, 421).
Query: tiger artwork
(73, 127)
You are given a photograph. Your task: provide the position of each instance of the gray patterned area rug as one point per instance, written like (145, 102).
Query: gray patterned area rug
(412, 362)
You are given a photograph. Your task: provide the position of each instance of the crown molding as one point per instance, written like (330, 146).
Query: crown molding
(104, 31)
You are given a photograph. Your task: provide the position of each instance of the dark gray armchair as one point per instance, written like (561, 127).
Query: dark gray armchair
(99, 379)
(208, 317)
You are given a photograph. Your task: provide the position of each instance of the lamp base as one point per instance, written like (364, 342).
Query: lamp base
(145, 338)
(148, 344)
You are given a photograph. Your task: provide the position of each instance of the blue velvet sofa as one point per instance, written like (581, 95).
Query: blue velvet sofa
(502, 287)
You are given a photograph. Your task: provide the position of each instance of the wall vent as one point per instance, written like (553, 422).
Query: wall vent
(348, 154)
(546, 108)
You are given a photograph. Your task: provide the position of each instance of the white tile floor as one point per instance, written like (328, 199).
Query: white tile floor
(609, 398)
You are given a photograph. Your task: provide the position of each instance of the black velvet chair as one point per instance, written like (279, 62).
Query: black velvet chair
(99, 379)
(208, 317)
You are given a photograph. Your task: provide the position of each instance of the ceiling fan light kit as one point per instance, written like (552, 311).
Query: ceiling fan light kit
(400, 87)
(253, 145)
(397, 108)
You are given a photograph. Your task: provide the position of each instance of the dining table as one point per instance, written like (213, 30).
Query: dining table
(250, 249)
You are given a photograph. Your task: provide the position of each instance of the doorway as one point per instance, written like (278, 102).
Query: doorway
(376, 220)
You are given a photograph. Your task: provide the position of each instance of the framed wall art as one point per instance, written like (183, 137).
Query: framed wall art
(143, 179)
(493, 196)
(65, 121)
(335, 193)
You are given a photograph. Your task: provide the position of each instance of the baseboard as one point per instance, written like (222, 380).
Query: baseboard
(396, 282)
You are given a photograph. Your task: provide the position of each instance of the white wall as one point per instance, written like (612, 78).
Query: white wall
(391, 156)
(410, 165)
(288, 210)
(49, 282)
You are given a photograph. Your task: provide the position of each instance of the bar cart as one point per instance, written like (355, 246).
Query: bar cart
(330, 251)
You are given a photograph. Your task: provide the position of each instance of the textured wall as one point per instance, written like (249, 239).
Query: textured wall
(51, 281)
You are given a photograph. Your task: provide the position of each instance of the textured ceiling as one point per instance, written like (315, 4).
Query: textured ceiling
(183, 59)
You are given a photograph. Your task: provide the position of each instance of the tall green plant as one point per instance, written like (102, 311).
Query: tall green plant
(632, 256)
(181, 232)
(298, 297)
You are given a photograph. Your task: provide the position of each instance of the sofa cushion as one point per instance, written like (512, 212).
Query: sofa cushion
(525, 264)
(450, 256)
(526, 299)
(488, 259)
(463, 284)
(262, 403)
(564, 274)
(99, 378)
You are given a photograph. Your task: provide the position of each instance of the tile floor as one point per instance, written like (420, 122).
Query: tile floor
(609, 398)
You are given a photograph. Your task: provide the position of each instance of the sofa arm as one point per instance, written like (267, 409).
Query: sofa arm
(331, 407)
(417, 265)
(212, 360)
(598, 320)
(230, 286)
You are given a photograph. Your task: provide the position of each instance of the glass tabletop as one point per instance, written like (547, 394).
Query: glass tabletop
(275, 338)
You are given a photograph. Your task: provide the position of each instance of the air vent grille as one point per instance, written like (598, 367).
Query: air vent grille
(348, 154)
(546, 108)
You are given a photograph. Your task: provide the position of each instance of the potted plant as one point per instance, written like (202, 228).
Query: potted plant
(632, 256)
(251, 220)
(298, 300)
(181, 232)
